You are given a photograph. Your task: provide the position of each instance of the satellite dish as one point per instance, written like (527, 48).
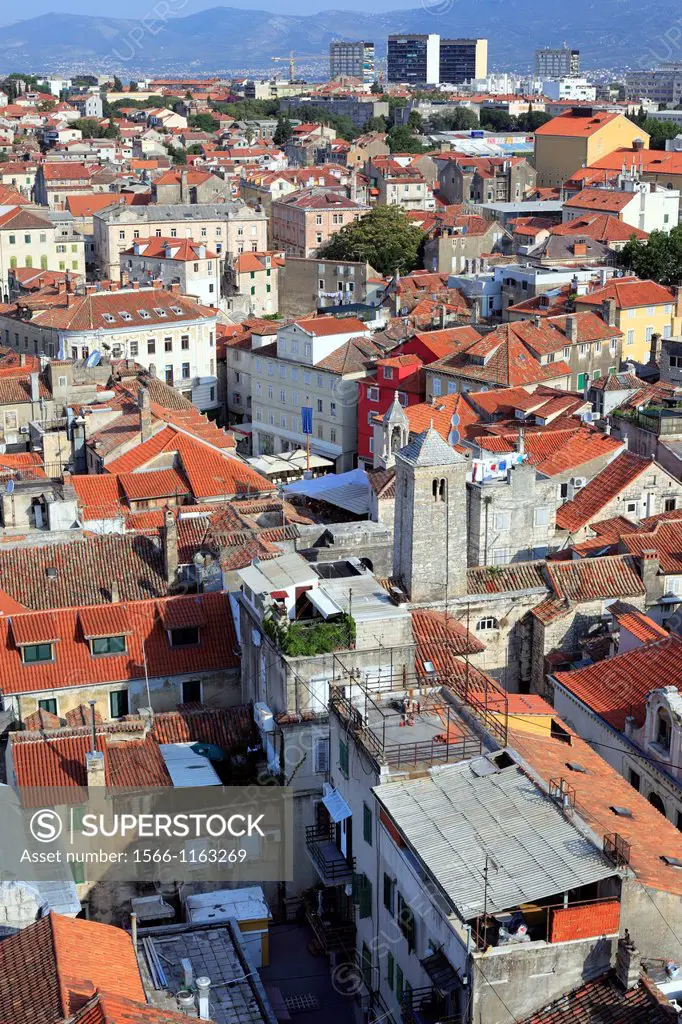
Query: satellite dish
(455, 420)
(10, 486)
(94, 359)
(454, 437)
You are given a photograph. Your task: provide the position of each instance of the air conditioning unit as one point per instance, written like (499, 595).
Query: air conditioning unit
(579, 481)
(23, 430)
(263, 716)
(588, 416)
(272, 835)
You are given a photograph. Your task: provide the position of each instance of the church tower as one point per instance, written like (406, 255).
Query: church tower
(430, 525)
(395, 434)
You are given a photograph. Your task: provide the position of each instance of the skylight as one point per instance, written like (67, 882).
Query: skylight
(109, 318)
(124, 315)
(144, 313)
(159, 311)
(622, 812)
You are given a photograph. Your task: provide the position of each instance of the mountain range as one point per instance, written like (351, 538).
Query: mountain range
(609, 33)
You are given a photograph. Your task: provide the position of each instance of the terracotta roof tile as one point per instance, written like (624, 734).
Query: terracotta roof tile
(594, 578)
(636, 622)
(601, 490)
(502, 579)
(629, 293)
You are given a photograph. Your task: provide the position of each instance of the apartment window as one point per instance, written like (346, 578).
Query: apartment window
(406, 922)
(630, 338)
(108, 645)
(501, 556)
(168, 344)
(318, 237)
(185, 636)
(307, 349)
(121, 236)
(169, 374)
(542, 516)
(133, 348)
(151, 347)
(185, 371)
(669, 504)
(489, 622)
(363, 896)
(191, 691)
(367, 824)
(373, 394)
(318, 218)
(332, 408)
(320, 432)
(332, 436)
(49, 704)
(635, 779)
(389, 893)
(343, 758)
(184, 341)
(631, 506)
(282, 396)
(649, 333)
(502, 520)
(390, 970)
(321, 755)
(320, 405)
(366, 966)
(371, 445)
(118, 703)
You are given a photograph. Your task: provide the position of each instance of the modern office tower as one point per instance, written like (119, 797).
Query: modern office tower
(354, 59)
(463, 59)
(414, 59)
(556, 63)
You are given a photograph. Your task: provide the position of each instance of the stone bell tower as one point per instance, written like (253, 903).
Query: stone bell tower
(395, 434)
(430, 524)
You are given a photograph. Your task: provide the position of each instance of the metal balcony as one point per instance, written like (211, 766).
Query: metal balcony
(330, 864)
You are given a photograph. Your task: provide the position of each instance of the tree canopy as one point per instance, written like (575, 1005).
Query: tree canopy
(660, 131)
(92, 129)
(384, 237)
(658, 259)
(402, 140)
(203, 123)
(283, 131)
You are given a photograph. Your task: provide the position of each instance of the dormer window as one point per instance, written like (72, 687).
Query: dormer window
(144, 313)
(176, 310)
(388, 373)
(32, 654)
(663, 729)
(108, 318)
(124, 315)
(185, 636)
(159, 311)
(100, 645)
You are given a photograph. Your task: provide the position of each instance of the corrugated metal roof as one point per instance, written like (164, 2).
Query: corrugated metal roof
(453, 818)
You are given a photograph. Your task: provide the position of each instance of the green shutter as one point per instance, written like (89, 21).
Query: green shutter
(343, 758)
(596, 375)
(389, 893)
(581, 381)
(367, 824)
(399, 984)
(390, 970)
(78, 873)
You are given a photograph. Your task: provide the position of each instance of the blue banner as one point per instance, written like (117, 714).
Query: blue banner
(307, 419)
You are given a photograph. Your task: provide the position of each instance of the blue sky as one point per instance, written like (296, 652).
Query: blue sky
(133, 8)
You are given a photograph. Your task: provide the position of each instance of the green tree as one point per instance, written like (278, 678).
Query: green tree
(660, 131)
(375, 124)
(90, 127)
(401, 140)
(194, 149)
(415, 122)
(532, 120)
(178, 156)
(204, 123)
(133, 86)
(461, 119)
(384, 237)
(658, 259)
(118, 84)
(283, 131)
(495, 120)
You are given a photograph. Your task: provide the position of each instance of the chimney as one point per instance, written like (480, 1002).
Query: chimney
(608, 312)
(145, 407)
(170, 545)
(203, 986)
(135, 285)
(638, 145)
(521, 442)
(655, 350)
(115, 592)
(35, 387)
(443, 315)
(649, 565)
(579, 248)
(628, 962)
(175, 287)
(22, 359)
(537, 322)
(572, 328)
(184, 190)
(94, 768)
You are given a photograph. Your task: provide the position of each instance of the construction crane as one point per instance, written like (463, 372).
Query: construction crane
(291, 60)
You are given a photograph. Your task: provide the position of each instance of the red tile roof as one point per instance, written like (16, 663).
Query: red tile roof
(74, 664)
(507, 578)
(665, 539)
(51, 967)
(619, 686)
(601, 490)
(636, 622)
(629, 293)
(108, 1009)
(590, 579)
(89, 312)
(603, 1000)
(581, 447)
(438, 635)
(612, 200)
(600, 228)
(324, 326)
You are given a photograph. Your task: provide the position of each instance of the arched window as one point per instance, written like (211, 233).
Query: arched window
(489, 622)
(655, 801)
(443, 489)
(434, 489)
(663, 729)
